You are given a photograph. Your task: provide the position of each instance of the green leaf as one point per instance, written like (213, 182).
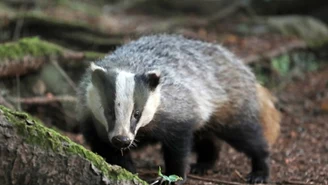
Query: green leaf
(171, 178)
(174, 178)
(281, 64)
(160, 172)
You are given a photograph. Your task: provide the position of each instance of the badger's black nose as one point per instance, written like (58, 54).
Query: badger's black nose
(121, 141)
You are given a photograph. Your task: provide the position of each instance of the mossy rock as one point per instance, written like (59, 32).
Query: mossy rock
(36, 134)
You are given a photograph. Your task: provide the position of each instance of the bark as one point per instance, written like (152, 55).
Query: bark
(33, 154)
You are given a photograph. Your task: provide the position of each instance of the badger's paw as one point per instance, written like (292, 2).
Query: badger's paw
(257, 177)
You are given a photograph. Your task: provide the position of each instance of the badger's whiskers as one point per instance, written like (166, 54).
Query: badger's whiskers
(134, 144)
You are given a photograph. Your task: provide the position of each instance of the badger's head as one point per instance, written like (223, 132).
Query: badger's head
(123, 102)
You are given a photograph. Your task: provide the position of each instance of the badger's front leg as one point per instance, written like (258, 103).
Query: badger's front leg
(176, 150)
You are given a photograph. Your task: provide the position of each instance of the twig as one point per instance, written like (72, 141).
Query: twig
(19, 25)
(295, 182)
(18, 92)
(44, 100)
(156, 181)
(239, 175)
(214, 180)
(63, 73)
(18, 28)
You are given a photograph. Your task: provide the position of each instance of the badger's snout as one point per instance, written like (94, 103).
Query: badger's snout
(121, 141)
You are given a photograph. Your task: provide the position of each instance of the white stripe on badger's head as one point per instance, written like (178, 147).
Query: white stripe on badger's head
(122, 101)
(124, 104)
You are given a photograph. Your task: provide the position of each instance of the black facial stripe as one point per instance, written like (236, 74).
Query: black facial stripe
(140, 97)
(108, 99)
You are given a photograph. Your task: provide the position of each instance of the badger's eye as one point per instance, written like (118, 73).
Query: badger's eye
(136, 114)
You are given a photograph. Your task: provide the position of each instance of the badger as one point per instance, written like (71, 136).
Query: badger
(181, 92)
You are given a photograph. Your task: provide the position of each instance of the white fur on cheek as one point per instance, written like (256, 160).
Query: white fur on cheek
(150, 108)
(124, 104)
(94, 104)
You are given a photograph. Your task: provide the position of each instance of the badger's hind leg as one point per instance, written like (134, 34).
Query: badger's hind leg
(247, 137)
(207, 148)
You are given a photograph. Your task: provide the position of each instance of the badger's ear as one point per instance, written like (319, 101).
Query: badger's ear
(94, 67)
(98, 75)
(153, 78)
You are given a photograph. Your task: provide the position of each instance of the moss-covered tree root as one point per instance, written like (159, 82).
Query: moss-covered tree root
(33, 154)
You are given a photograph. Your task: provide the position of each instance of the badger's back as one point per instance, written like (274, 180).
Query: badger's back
(197, 78)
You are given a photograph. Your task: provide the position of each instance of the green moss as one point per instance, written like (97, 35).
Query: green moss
(35, 133)
(37, 48)
(28, 47)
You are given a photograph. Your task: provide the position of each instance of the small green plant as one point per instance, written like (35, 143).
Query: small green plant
(164, 178)
(282, 64)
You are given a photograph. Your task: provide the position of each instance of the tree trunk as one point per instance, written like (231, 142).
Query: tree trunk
(33, 154)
